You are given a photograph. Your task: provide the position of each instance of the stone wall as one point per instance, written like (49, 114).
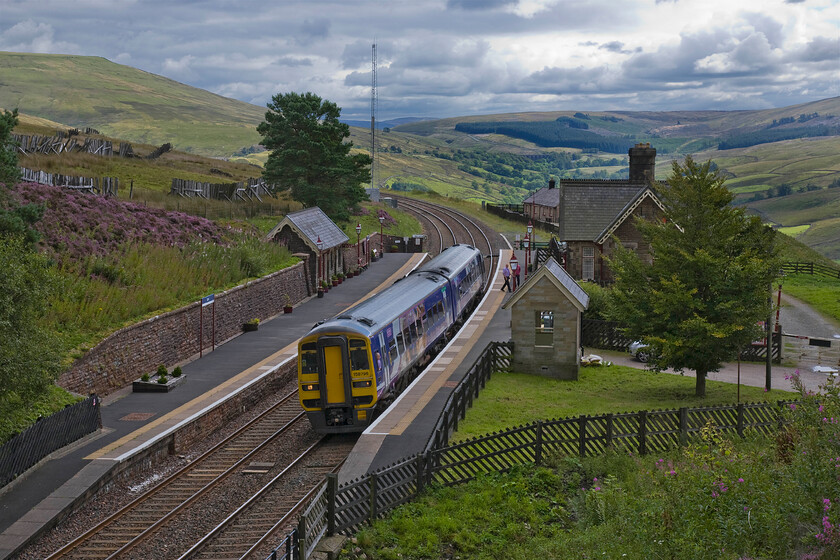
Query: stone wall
(172, 338)
(561, 359)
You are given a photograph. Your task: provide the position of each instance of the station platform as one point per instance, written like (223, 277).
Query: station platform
(131, 422)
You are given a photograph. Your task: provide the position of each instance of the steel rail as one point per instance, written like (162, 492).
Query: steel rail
(199, 462)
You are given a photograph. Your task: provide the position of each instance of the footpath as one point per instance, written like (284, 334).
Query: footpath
(131, 422)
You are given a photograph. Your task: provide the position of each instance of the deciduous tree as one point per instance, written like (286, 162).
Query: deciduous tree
(707, 288)
(29, 354)
(9, 171)
(309, 156)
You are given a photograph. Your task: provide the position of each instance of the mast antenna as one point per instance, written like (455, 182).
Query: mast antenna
(374, 103)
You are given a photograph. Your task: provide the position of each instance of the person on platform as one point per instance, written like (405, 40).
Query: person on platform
(506, 274)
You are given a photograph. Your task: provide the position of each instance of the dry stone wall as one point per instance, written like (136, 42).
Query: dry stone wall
(173, 337)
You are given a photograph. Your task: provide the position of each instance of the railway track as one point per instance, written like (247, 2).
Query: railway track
(460, 227)
(175, 500)
(252, 530)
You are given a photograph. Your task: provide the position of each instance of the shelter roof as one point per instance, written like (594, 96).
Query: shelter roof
(557, 276)
(312, 224)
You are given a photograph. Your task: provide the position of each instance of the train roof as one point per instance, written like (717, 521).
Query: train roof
(450, 260)
(381, 309)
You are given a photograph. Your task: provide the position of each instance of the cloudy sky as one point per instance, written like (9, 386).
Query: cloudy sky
(459, 57)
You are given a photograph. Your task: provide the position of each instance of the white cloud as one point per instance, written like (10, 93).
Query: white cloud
(451, 57)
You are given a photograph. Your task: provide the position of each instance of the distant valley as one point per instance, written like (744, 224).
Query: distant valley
(781, 163)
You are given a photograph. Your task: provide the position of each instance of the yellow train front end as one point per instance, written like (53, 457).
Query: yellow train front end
(336, 381)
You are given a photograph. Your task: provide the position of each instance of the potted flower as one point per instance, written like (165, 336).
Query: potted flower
(158, 382)
(320, 291)
(287, 304)
(334, 280)
(341, 277)
(252, 325)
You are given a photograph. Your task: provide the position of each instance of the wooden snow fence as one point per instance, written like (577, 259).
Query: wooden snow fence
(48, 145)
(252, 189)
(106, 186)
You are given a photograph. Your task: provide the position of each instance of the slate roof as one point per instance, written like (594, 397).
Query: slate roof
(592, 207)
(311, 224)
(544, 197)
(560, 278)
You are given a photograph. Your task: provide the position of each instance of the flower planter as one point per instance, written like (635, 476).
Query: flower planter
(152, 386)
(288, 309)
(320, 293)
(250, 327)
(335, 283)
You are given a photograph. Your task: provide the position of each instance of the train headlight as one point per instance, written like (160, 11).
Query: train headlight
(310, 387)
(361, 384)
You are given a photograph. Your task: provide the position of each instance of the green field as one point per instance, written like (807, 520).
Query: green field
(512, 399)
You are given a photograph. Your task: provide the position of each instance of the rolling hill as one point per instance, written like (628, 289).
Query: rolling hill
(788, 151)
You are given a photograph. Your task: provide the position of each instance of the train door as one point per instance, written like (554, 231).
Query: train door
(335, 370)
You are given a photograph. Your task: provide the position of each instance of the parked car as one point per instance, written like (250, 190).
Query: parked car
(640, 351)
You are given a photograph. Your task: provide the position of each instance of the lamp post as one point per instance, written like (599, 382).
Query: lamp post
(527, 251)
(381, 239)
(513, 263)
(358, 250)
(530, 237)
(320, 245)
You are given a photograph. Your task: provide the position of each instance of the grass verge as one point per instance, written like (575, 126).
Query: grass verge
(511, 399)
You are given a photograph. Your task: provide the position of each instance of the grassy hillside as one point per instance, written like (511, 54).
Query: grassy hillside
(127, 103)
(148, 110)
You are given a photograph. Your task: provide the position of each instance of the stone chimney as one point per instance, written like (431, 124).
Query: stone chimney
(642, 162)
(551, 183)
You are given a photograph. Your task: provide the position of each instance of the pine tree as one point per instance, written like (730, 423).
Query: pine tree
(309, 157)
(702, 297)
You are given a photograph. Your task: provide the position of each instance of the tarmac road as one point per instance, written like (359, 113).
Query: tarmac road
(752, 373)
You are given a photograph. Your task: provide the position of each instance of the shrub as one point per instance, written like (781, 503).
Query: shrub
(177, 371)
(145, 377)
(162, 380)
(162, 371)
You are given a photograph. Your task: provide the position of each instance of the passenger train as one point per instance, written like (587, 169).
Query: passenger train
(352, 366)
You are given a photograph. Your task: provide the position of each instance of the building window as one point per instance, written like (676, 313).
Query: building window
(544, 323)
(588, 272)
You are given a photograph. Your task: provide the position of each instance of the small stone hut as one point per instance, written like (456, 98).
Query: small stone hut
(545, 323)
(300, 232)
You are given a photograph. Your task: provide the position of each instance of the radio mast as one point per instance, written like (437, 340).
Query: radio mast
(373, 107)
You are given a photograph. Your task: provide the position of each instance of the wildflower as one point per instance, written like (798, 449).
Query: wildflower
(740, 480)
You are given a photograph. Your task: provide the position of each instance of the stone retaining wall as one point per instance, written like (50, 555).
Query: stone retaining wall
(173, 337)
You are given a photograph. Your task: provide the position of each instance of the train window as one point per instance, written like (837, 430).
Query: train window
(358, 355)
(308, 359)
(419, 326)
(401, 343)
(406, 336)
(412, 328)
(392, 349)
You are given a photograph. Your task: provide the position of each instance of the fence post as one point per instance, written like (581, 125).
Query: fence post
(683, 426)
(373, 479)
(609, 443)
(538, 443)
(301, 538)
(332, 485)
(582, 435)
(421, 467)
(740, 425)
(643, 432)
